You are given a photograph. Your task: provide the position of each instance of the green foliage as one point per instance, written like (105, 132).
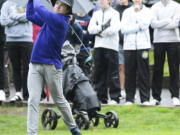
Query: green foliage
(177, 1)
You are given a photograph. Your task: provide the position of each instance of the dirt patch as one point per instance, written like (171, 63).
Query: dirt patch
(16, 111)
(13, 111)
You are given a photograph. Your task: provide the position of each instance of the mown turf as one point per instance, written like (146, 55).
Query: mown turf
(133, 120)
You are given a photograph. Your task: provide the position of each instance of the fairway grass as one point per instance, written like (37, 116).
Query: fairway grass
(133, 120)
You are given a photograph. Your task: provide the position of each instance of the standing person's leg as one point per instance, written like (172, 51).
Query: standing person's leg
(113, 74)
(122, 71)
(6, 72)
(35, 85)
(14, 54)
(2, 93)
(26, 49)
(173, 61)
(130, 73)
(159, 59)
(122, 76)
(143, 74)
(53, 78)
(100, 74)
(1, 67)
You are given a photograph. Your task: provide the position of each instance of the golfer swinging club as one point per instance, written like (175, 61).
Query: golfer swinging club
(46, 66)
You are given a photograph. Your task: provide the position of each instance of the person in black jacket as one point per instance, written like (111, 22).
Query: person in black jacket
(2, 42)
(120, 7)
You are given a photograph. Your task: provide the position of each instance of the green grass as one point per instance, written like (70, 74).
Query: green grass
(151, 62)
(133, 120)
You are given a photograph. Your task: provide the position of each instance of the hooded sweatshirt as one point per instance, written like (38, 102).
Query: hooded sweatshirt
(54, 27)
(17, 27)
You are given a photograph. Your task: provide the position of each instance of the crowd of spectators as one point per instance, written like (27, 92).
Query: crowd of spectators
(118, 34)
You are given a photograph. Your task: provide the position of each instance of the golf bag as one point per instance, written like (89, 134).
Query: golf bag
(76, 85)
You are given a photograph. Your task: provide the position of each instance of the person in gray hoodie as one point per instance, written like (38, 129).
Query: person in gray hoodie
(165, 23)
(19, 41)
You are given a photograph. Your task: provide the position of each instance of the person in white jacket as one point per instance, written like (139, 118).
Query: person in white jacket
(135, 27)
(105, 24)
(165, 22)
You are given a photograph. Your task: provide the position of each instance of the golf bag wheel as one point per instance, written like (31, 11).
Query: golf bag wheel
(82, 121)
(95, 121)
(49, 119)
(111, 120)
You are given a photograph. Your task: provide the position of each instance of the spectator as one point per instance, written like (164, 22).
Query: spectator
(135, 27)
(19, 41)
(2, 42)
(97, 6)
(75, 34)
(165, 22)
(83, 20)
(120, 7)
(114, 3)
(105, 25)
(46, 66)
(36, 30)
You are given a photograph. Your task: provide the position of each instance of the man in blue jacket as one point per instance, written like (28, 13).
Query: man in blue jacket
(46, 66)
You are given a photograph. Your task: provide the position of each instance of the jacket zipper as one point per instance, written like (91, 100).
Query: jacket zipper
(103, 17)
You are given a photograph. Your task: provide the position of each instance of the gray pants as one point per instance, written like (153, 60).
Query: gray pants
(38, 76)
